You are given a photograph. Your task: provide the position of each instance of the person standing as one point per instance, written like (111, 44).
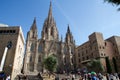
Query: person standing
(73, 77)
(8, 77)
(94, 77)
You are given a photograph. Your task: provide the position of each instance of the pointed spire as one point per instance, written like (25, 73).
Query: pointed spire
(34, 20)
(61, 38)
(68, 29)
(33, 27)
(50, 12)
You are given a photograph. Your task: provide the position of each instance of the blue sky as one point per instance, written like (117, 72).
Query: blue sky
(83, 16)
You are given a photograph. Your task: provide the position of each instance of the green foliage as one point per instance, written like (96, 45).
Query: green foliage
(116, 2)
(108, 66)
(115, 65)
(95, 65)
(50, 63)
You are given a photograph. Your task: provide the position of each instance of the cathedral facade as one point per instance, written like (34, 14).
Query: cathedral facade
(48, 44)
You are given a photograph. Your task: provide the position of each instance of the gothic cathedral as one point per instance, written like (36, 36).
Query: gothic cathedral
(49, 44)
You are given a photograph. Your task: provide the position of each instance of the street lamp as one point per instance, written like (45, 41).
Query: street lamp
(9, 45)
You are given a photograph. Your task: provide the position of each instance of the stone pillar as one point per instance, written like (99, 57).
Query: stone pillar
(36, 57)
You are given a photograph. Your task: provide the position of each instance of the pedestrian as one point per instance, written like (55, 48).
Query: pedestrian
(8, 77)
(100, 76)
(89, 76)
(80, 78)
(94, 77)
(104, 77)
(119, 75)
(111, 77)
(73, 77)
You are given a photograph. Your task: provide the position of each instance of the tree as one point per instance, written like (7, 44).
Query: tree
(108, 66)
(114, 2)
(95, 65)
(50, 63)
(115, 65)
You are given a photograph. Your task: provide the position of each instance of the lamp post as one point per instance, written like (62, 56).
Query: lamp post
(9, 45)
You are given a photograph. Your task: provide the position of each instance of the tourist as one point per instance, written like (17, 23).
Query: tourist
(111, 77)
(73, 77)
(93, 76)
(89, 76)
(8, 77)
(104, 77)
(100, 76)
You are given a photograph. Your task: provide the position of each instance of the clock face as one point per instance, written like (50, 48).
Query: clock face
(9, 44)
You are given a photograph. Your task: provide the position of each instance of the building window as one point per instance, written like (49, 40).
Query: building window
(72, 60)
(7, 31)
(31, 58)
(82, 53)
(87, 57)
(91, 54)
(86, 51)
(103, 47)
(40, 48)
(101, 54)
(52, 30)
(78, 54)
(104, 54)
(39, 59)
(113, 44)
(115, 51)
(64, 60)
(105, 44)
(83, 58)
(95, 48)
(46, 30)
(79, 60)
(32, 47)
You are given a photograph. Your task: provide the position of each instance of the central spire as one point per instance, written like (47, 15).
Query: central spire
(50, 31)
(68, 29)
(50, 12)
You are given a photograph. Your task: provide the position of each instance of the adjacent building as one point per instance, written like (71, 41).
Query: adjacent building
(98, 48)
(12, 44)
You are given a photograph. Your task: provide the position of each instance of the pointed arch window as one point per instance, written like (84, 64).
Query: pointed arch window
(46, 30)
(71, 60)
(65, 50)
(31, 58)
(39, 58)
(40, 48)
(32, 47)
(65, 60)
(52, 31)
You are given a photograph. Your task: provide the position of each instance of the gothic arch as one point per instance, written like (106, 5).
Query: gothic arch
(32, 47)
(52, 31)
(46, 30)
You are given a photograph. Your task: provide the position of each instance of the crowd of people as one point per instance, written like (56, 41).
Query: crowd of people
(99, 76)
(91, 76)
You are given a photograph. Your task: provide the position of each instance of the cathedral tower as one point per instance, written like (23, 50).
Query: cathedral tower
(32, 34)
(69, 37)
(70, 50)
(31, 48)
(50, 31)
